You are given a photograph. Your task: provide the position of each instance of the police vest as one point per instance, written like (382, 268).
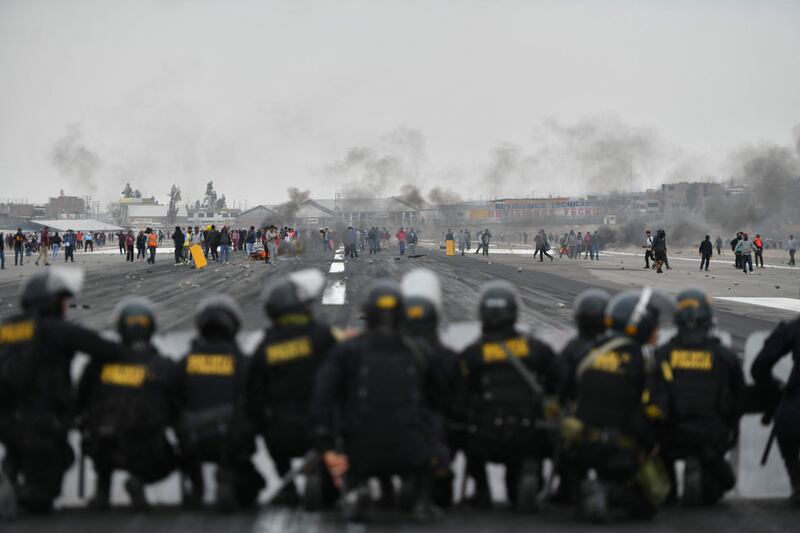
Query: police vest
(18, 351)
(500, 400)
(388, 388)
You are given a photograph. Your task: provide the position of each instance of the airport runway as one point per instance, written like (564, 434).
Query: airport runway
(546, 291)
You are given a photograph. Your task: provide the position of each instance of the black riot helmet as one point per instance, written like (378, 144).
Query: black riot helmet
(421, 316)
(218, 317)
(590, 307)
(287, 300)
(498, 305)
(43, 293)
(282, 299)
(135, 320)
(383, 306)
(694, 309)
(633, 314)
(422, 294)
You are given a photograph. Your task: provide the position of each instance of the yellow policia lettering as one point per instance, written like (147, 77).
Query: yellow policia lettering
(16, 332)
(289, 350)
(691, 360)
(492, 351)
(607, 362)
(210, 364)
(123, 375)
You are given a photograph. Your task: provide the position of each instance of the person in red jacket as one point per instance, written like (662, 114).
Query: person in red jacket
(401, 239)
(758, 244)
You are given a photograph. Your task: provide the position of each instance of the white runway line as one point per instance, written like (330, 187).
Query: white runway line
(336, 268)
(335, 292)
(696, 260)
(786, 304)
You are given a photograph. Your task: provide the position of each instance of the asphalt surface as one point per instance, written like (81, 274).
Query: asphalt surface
(546, 291)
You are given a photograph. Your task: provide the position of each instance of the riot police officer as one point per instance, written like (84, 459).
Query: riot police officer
(705, 403)
(510, 378)
(618, 406)
(126, 403)
(378, 383)
(36, 396)
(422, 297)
(213, 426)
(785, 404)
(281, 380)
(589, 309)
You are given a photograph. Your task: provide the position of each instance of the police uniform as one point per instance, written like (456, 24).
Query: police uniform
(126, 402)
(785, 338)
(422, 297)
(378, 383)
(705, 402)
(36, 395)
(281, 378)
(505, 411)
(619, 404)
(589, 310)
(213, 425)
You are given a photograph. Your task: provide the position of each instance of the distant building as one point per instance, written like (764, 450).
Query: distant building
(507, 209)
(365, 212)
(688, 197)
(66, 207)
(151, 216)
(22, 210)
(208, 216)
(256, 217)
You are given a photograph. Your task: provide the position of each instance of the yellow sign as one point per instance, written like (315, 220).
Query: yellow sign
(450, 247)
(197, 255)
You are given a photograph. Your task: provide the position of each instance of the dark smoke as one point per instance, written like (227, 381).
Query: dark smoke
(288, 210)
(442, 196)
(603, 153)
(771, 174)
(796, 134)
(370, 172)
(508, 166)
(411, 195)
(74, 160)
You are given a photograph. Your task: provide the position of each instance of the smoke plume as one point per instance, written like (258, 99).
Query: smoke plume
(373, 171)
(508, 168)
(288, 210)
(411, 195)
(442, 196)
(74, 160)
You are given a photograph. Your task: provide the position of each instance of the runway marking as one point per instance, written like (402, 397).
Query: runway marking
(335, 292)
(717, 261)
(336, 268)
(786, 304)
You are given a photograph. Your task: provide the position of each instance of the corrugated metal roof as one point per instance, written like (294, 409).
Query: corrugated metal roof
(82, 224)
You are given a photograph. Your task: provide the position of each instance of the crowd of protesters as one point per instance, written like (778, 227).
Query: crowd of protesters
(46, 244)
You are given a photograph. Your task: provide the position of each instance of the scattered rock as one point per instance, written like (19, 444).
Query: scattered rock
(560, 305)
(736, 283)
(519, 269)
(777, 286)
(622, 268)
(489, 262)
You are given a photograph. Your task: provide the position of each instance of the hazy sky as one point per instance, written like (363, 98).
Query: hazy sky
(261, 95)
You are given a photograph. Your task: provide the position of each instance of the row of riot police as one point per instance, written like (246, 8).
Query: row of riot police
(612, 414)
